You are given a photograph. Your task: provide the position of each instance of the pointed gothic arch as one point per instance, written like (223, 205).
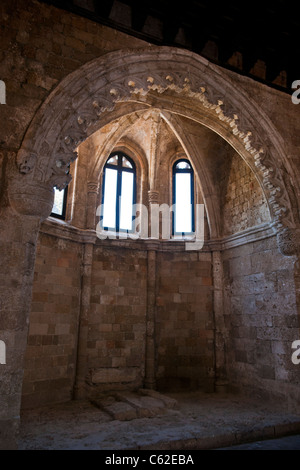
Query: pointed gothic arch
(83, 101)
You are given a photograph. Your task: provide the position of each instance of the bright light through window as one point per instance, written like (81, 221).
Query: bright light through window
(126, 201)
(118, 195)
(183, 214)
(58, 206)
(183, 197)
(110, 197)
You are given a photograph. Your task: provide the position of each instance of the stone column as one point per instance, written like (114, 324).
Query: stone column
(81, 369)
(220, 360)
(150, 375)
(23, 207)
(153, 197)
(92, 194)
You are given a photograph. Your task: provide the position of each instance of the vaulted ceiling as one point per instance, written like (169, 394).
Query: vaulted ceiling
(255, 38)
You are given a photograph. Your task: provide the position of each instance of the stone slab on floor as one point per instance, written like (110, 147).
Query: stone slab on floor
(201, 421)
(145, 407)
(169, 402)
(126, 406)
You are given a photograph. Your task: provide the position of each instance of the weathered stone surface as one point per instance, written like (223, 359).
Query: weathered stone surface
(114, 375)
(120, 410)
(169, 402)
(103, 313)
(126, 406)
(9, 430)
(145, 406)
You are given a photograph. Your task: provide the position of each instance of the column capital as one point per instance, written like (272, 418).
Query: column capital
(288, 241)
(93, 186)
(33, 198)
(153, 196)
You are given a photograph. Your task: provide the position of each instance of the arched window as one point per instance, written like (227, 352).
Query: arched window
(118, 193)
(183, 198)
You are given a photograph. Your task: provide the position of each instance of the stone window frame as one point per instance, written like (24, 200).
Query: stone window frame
(193, 195)
(120, 170)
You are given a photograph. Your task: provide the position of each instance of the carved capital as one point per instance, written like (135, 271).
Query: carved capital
(153, 196)
(93, 187)
(31, 198)
(289, 241)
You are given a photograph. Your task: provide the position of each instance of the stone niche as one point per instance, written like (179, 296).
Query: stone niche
(116, 289)
(159, 315)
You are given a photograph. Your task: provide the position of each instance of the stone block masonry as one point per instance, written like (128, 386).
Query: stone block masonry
(116, 334)
(184, 321)
(117, 319)
(50, 358)
(94, 315)
(244, 204)
(261, 318)
(39, 46)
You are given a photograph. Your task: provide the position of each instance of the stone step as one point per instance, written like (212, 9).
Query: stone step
(116, 409)
(125, 406)
(169, 402)
(146, 407)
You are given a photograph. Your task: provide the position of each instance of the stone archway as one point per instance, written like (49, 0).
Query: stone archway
(81, 104)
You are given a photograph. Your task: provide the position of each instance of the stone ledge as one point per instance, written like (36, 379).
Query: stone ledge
(62, 229)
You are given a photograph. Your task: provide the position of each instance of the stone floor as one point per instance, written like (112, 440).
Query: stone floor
(291, 442)
(180, 421)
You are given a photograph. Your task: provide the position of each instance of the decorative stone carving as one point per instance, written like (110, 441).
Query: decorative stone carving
(124, 75)
(274, 188)
(60, 177)
(93, 187)
(61, 181)
(26, 161)
(153, 196)
(289, 241)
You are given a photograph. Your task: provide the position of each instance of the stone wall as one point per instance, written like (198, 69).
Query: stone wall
(50, 360)
(117, 318)
(261, 316)
(40, 45)
(184, 321)
(244, 203)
